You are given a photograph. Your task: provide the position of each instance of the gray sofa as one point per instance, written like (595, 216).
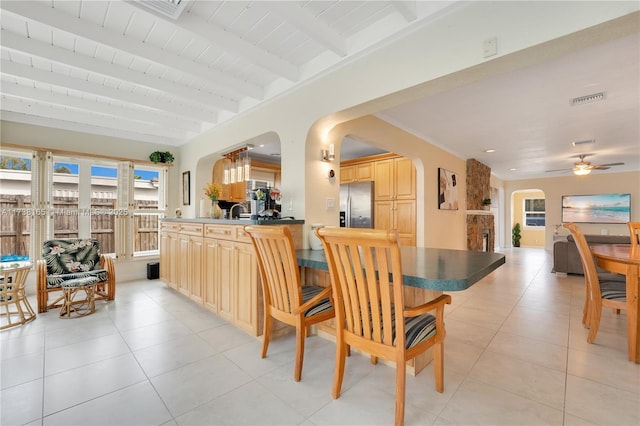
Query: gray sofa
(565, 253)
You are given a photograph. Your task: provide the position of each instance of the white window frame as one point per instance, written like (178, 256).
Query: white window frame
(525, 212)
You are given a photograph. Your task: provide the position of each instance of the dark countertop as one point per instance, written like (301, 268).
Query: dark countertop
(429, 268)
(237, 221)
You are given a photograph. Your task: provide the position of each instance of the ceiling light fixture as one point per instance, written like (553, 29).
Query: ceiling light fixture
(489, 150)
(583, 143)
(587, 99)
(580, 171)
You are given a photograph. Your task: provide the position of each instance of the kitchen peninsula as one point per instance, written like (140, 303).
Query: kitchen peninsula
(212, 261)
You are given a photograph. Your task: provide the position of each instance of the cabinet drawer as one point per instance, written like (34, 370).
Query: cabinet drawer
(169, 226)
(242, 236)
(191, 229)
(225, 232)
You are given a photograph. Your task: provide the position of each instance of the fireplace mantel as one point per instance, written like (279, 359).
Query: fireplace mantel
(487, 212)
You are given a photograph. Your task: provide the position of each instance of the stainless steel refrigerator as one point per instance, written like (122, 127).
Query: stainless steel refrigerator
(356, 205)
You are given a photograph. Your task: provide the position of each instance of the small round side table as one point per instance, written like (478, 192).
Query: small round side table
(14, 306)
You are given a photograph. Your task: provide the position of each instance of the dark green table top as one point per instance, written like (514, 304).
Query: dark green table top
(429, 268)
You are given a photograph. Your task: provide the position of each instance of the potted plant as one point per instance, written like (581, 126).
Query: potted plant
(515, 235)
(486, 203)
(161, 157)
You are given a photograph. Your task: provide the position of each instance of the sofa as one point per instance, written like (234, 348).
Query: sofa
(566, 259)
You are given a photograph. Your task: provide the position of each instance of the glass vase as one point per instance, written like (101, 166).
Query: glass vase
(216, 211)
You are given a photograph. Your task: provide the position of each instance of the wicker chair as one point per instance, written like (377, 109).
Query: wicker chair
(72, 259)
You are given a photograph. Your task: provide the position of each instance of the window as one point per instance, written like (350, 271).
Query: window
(15, 202)
(115, 202)
(148, 209)
(534, 212)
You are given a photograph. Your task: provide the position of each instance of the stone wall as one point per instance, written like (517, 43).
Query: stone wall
(479, 226)
(478, 181)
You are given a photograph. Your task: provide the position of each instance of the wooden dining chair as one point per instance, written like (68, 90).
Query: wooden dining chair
(599, 293)
(285, 299)
(366, 277)
(634, 230)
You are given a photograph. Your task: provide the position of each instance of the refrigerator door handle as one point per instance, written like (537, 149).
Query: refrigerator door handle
(348, 213)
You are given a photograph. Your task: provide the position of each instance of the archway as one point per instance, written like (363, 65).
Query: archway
(528, 209)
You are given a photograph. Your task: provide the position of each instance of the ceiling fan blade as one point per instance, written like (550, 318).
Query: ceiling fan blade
(597, 166)
(558, 170)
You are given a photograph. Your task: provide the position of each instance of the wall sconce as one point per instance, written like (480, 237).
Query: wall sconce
(328, 154)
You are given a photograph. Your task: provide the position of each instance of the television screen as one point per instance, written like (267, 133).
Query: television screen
(597, 208)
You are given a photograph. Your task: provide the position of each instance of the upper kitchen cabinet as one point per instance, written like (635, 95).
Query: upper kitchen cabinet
(233, 192)
(395, 179)
(356, 173)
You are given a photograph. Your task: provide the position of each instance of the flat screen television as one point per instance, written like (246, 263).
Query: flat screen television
(596, 208)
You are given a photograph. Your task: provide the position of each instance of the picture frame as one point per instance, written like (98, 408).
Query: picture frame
(447, 190)
(596, 208)
(186, 188)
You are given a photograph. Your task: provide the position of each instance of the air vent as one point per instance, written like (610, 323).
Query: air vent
(170, 8)
(583, 143)
(588, 99)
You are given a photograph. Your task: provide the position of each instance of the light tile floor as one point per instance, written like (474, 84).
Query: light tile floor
(516, 354)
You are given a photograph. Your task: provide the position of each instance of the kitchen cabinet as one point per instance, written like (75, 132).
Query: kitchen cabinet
(395, 198)
(398, 215)
(169, 253)
(395, 179)
(356, 173)
(215, 265)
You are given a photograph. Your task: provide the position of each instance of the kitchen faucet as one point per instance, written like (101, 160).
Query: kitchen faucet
(236, 205)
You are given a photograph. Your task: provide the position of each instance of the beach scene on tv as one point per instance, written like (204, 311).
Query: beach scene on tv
(600, 208)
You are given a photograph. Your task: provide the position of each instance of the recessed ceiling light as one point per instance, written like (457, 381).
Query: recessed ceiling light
(513, 169)
(489, 150)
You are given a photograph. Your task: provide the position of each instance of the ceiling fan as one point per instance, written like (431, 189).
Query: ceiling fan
(582, 167)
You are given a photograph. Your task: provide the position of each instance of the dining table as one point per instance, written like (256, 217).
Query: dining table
(426, 273)
(624, 259)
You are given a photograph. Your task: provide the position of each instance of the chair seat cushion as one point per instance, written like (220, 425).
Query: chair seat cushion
(56, 280)
(79, 282)
(308, 293)
(608, 276)
(613, 290)
(418, 329)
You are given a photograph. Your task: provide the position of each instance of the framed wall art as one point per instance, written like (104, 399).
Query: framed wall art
(186, 188)
(447, 190)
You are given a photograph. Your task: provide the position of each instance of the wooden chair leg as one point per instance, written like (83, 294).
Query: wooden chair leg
(338, 374)
(594, 324)
(267, 334)
(300, 337)
(438, 366)
(400, 388)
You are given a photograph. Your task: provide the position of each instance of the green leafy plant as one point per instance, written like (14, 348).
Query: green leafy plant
(161, 157)
(515, 235)
(486, 202)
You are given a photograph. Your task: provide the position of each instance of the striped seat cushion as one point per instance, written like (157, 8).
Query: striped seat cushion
(613, 290)
(308, 293)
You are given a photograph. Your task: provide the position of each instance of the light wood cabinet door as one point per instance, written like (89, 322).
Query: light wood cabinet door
(246, 286)
(225, 278)
(181, 265)
(405, 179)
(384, 180)
(196, 261)
(405, 221)
(347, 174)
(169, 259)
(383, 215)
(209, 270)
(364, 172)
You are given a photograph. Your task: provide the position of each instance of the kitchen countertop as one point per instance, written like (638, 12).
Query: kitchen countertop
(236, 221)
